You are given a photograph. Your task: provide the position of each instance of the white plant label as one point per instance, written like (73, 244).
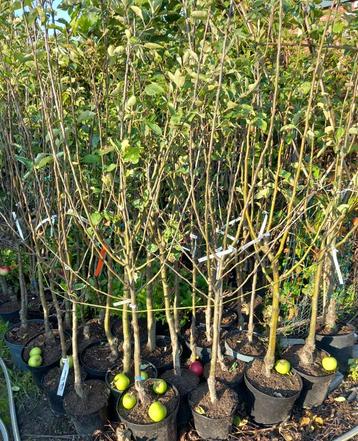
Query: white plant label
(336, 264)
(122, 302)
(17, 223)
(64, 376)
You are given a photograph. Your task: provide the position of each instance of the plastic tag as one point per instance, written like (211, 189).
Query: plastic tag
(64, 376)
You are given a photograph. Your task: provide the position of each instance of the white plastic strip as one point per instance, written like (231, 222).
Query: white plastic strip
(336, 264)
(17, 223)
(261, 235)
(63, 378)
(48, 219)
(218, 253)
(122, 302)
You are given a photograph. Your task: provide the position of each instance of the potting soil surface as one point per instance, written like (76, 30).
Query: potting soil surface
(51, 348)
(341, 329)
(98, 357)
(232, 373)
(315, 368)
(20, 335)
(276, 384)
(139, 413)
(162, 354)
(96, 396)
(238, 341)
(185, 382)
(226, 400)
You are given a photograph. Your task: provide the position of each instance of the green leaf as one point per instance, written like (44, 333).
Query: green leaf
(261, 124)
(24, 161)
(338, 27)
(85, 115)
(340, 133)
(79, 286)
(154, 46)
(110, 168)
(132, 155)
(137, 12)
(91, 159)
(199, 15)
(199, 410)
(155, 128)
(131, 102)
(96, 218)
(154, 89)
(305, 87)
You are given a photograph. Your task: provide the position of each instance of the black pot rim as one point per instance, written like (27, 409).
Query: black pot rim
(308, 376)
(336, 336)
(81, 356)
(259, 392)
(108, 384)
(139, 425)
(42, 367)
(204, 417)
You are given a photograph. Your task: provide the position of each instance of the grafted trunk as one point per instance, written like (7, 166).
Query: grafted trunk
(151, 326)
(112, 341)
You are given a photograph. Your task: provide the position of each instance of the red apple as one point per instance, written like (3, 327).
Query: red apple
(197, 368)
(4, 270)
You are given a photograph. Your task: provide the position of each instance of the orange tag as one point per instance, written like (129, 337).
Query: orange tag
(100, 263)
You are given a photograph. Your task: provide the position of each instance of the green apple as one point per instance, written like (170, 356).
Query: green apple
(329, 364)
(283, 367)
(35, 361)
(144, 375)
(70, 361)
(129, 400)
(35, 351)
(160, 387)
(121, 382)
(157, 411)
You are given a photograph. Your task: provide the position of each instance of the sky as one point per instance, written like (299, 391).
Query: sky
(60, 13)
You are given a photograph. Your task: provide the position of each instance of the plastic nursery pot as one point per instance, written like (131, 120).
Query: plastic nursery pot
(212, 428)
(165, 430)
(90, 414)
(339, 345)
(16, 348)
(163, 340)
(56, 401)
(315, 389)
(204, 354)
(185, 383)
(115, 393)
(93, 372)
(10, 313)
(237, 354)
(233, 383)
(39, 372)
(267, 409)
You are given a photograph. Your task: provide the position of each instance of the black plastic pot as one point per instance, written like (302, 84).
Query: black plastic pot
(165, 430)
(11, 317)
(16, 348)
(212, 428)
(93, 373)
(115, 393)
(315, 389)
(184, 412)
(204, 354)
(239, 355)
(86, 425)
(165, 367)
(56, 401)
(266, 409)
(340, 346)
(38, 372)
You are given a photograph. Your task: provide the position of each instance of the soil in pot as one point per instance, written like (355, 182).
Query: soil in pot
(90, 413)
(50, 384)
(50, 353)
(16, 337)
(138, 421)
(338, 342)
(237, 345)
(230, 373)
(316, 380)
(185, 383)
(213, 421)
(203, 346)
(162, 356)
(270, 399)
(91, 332)
(97, 358)
(228, 319)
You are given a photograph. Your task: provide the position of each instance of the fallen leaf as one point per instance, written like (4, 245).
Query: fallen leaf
(199, 410)
(305, 421)
(319, 420)
(340, 399)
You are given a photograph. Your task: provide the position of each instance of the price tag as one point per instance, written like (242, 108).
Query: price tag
(63, 379)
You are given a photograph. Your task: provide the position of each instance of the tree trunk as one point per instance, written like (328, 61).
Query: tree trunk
(127, 345)
(59, 318)
(151, 326)
(270, 354)
(23, 292)
(76, 363)
(107, 317)
(250, 329)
